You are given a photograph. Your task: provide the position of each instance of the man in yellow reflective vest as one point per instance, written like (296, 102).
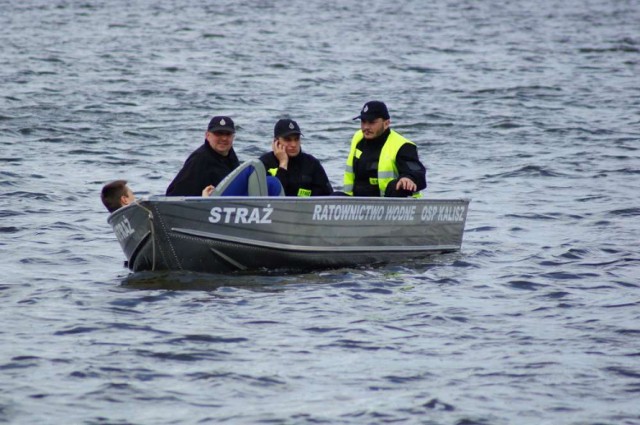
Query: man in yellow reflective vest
(381, 162)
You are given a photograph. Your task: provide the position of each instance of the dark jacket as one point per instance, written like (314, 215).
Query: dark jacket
(203, 167)
(304, 172)
(366, 168)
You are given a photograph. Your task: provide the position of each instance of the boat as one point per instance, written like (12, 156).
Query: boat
(253, 231)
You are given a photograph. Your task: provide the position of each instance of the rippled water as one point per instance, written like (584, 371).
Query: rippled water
(529, 108)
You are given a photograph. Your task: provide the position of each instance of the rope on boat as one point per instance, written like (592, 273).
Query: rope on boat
(153, 235)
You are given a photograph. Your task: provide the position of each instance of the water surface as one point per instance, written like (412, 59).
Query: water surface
(528, 108)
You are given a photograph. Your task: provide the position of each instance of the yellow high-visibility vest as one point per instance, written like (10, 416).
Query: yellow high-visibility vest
(387, 169)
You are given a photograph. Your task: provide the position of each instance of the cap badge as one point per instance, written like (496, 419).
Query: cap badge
(291, 126)
(366, 108)
(222, 122)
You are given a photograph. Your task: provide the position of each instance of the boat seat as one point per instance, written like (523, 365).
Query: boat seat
(249, 179)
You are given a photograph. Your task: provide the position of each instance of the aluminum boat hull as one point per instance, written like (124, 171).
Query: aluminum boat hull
(227, 234)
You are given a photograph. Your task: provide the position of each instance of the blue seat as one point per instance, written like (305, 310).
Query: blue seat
(249, 179)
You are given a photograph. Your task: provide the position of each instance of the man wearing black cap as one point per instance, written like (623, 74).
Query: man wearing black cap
(301, 174)
(381, 162)
(210, 163)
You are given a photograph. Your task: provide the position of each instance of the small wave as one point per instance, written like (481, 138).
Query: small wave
(578, 130)
(9, 229)
(87, 152)
(626, 212)
(206, 338)
(9, 174)
(134, 302)
(83, 375)
(436, 404)
(263, 381)
(518, 89)
(211, 35)
(354, 344)
(123, 103)
(627, 284)
(621, 371)
(19, 362)
(141, 134)
(481, 229)
(534, 216)
(556, 294)
(548, 263)
(445, 281)
(621, 305)
(575, 254)
(630, 332)
(31, 195)
(623, 171)
(590, 198)
(33, 260)
(562, 275)
(52, 140)
(77, 330)
(209, 354)
(373, 291)
(612, 49)
(263, 322)
(321, 330)
(525, 284)
(23, 358)
(506, 124)
(464, 264)
(346, 284)
(527, 170)
(602, 223)
(422, 70)
(113, 161)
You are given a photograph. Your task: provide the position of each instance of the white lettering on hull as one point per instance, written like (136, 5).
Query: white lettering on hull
(400, 212)
(447, 213)
(363, 212)
(347, 212)
(240, 215)
(123, 229)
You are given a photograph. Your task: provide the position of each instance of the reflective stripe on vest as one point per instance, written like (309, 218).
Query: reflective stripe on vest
(387, 169)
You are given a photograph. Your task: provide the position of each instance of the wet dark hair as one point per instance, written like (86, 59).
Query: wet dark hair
(111, 194)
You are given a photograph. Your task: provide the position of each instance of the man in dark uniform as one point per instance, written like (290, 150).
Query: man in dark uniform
(381, 162)
(301, 174)
(210, 163)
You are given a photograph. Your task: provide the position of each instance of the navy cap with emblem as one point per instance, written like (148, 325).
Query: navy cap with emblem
(372, 110)
(286, 127)
(221, 123)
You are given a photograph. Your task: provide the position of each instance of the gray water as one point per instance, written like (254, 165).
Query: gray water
(531, 109)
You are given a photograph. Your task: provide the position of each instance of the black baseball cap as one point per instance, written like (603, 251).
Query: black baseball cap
(221, 123)
(286, 127)
(372, 110)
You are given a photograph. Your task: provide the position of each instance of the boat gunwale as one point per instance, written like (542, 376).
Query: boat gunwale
(294, 199)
